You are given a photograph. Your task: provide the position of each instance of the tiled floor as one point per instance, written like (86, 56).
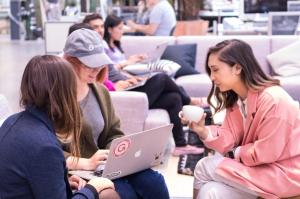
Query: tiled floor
(13, 57)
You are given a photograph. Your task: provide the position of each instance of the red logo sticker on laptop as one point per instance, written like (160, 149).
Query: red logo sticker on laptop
(122, 147)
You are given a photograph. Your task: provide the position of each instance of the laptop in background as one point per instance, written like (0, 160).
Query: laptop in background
(152, 56)
(132, 153)
(141, 82)
(156, 53)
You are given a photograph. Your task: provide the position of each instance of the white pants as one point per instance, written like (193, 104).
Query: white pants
(214, 186)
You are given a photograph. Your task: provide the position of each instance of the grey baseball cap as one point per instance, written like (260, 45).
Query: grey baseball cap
(88, 47)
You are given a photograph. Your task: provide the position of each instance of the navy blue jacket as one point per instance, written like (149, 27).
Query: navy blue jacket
(32, 164)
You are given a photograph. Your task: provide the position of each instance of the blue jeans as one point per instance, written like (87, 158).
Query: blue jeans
(146, 184)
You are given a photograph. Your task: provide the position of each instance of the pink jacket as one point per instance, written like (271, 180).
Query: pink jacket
(270, 144)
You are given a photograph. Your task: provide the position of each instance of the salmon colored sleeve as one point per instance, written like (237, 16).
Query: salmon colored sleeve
(227, 136)
(273, 136)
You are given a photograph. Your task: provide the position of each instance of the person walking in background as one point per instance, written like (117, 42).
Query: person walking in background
(53, 10)
(260, 133)
(32, 164)
(85, 51)
(162, 19)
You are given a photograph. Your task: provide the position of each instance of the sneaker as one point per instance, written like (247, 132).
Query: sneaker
(188, 149)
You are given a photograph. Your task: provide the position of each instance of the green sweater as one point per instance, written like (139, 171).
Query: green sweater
(111, 125)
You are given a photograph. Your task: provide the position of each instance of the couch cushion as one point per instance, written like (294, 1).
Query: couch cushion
(166, 66)
(281, 41)
(195, 85)
(291, 85)
(130, 103)
(156, 118)
(285, 61)
(137, 44)
(184, 55)
(260, 46)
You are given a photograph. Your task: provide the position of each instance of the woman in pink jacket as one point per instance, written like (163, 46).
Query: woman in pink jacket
(261, 131)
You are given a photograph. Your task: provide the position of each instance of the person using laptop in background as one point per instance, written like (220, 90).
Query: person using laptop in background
(260, 132)
(85, 51)
(161, 90)
(162, 19)
(32, 164)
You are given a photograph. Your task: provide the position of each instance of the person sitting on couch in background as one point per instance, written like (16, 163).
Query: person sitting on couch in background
(260, 133)
(161, 90)
(32, 164)
(162, 19)
(85, 51)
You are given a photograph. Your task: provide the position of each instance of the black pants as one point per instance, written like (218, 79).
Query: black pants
(164, 93)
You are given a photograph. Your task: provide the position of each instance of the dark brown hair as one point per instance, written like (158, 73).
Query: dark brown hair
(75, 62)
(238, 52)
(78, 26)
(112, 21)
(49, 83)
(91, 17)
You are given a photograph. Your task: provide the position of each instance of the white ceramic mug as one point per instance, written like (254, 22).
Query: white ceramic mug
(192, 113)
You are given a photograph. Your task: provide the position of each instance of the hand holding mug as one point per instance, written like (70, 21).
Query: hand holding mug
(194, 116)
(191, 113)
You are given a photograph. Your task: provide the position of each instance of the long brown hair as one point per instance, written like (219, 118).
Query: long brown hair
(112, 21)
(75, 62)
(239, 52)
(49, 83)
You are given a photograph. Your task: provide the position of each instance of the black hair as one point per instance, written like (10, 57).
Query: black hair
(78, 26)
(112, 21)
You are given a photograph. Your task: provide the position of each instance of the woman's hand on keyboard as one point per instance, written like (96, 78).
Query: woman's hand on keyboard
(99, 157)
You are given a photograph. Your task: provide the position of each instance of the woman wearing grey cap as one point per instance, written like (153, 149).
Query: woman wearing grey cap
(84, 50)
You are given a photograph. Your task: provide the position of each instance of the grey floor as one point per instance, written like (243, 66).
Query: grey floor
(14, 56)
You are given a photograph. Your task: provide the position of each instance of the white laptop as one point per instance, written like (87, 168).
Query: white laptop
(141, 82)
(132, 153)
(153, 56)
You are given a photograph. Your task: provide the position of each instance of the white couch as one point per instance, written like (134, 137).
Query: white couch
(199, 85)
(132, 107)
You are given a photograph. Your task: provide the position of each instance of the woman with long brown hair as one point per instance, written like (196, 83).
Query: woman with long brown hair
(260, 133)
(32, 164)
